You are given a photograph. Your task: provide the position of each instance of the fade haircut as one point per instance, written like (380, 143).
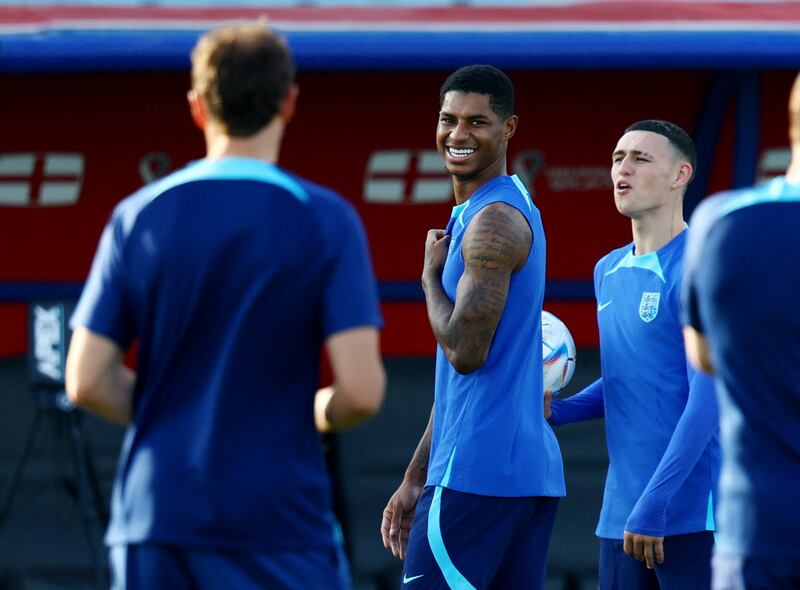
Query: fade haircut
(242, 71)
(483, 79)
(677, 137)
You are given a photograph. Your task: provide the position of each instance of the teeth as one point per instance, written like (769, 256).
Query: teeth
(460, 152)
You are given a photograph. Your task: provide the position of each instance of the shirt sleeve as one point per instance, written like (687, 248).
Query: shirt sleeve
(690, 314)
(700, 223)
(696, 427)
(351, 294)
(103, 306)
(588, 404)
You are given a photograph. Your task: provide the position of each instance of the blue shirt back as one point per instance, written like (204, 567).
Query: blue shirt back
(742, 292)
(230, 273)
(489, 433)
(646, 382)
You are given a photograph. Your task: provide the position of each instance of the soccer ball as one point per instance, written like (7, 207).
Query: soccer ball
(558, 353)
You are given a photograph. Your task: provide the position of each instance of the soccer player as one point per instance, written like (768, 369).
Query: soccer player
(230, 273)
(482, 488)
(663, 450)
(743, 323)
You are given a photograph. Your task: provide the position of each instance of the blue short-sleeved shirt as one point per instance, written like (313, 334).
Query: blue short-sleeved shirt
(743, 293)
(645, 386)
(230, 274)
(489, 425)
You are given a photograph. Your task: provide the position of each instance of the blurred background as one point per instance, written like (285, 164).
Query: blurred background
(92, 106)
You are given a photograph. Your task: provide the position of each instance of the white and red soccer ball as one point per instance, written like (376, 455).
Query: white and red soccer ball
(558, 353)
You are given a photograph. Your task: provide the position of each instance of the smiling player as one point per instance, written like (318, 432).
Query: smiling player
(480, 494)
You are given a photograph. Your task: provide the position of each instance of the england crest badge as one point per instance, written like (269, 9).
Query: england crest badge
(648, 306)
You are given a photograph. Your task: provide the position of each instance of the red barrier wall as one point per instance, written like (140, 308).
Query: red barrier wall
(73, 145)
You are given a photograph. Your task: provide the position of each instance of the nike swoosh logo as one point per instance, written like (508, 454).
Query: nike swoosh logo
(406, 579)
(602, 306)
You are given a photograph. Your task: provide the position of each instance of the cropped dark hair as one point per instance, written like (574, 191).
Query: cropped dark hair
(242, 71)
(483, 79)
(676, 136)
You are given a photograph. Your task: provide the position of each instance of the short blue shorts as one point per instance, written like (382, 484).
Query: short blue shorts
(755, 573)
(687, 565)
(168, 567)
(467, 541)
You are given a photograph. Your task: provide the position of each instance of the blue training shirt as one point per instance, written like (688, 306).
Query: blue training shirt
(743, 293)
(645, 386)
(489, 433)
(231, 274)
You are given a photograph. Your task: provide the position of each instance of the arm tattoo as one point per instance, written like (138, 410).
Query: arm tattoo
(496, 244)
(422, 456)
(418, 469)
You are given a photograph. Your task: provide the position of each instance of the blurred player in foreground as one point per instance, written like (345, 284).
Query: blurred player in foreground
(663, 449)
(742, 310)
(481, 492)
(230, 273)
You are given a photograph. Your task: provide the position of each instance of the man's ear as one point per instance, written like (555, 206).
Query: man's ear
(511, 127)
(289, 104)
(197, 106)
(684, 175)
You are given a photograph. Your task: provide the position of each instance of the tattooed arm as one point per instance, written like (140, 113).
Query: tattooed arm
(495, 245)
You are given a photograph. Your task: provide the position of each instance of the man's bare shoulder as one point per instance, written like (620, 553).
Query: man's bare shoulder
(499, 236)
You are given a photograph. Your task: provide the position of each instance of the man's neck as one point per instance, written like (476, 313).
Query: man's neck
(653, 232)
(264, 145)
(793, 172)
(463, 189)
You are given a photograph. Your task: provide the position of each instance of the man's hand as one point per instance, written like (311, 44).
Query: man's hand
(548, 399)
(359, 380)
(398, 517)
(436, 246)
(644, 548)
